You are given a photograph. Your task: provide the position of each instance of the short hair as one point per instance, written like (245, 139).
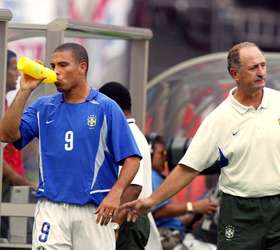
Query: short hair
(153, 139)
(79, 52)
(10, 54)
(118, 93)
(233, 58)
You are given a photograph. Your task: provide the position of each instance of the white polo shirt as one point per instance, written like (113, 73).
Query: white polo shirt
(246, 141)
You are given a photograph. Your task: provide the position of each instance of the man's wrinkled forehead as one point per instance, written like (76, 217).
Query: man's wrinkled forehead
(251, 56)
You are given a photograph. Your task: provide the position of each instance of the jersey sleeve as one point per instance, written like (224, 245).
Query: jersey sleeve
(29, 128)
(203, 150)
(120, 138)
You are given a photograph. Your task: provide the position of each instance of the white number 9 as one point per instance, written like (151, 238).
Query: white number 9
(69, 139)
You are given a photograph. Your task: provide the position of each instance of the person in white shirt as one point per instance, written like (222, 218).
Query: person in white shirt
(243, 134)
(143, 234)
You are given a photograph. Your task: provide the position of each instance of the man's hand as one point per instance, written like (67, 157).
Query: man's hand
(135, 208)
(205, 206)
(110, 205)
(131, 193)
(29, 83)
(108, 208)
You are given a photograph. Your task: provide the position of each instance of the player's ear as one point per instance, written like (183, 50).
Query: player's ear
(83, 66)
(234, 73)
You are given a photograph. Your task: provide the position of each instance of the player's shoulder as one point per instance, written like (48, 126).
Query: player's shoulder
(271, 98)
(219, 111)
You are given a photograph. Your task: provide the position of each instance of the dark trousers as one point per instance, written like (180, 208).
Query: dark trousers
(134, 236)
(249, 223)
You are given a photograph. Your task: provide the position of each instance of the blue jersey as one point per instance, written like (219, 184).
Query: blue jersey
(81, 146)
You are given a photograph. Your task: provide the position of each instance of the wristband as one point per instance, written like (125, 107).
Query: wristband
(189, 206)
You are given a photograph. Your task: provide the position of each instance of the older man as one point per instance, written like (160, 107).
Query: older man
(243, 133)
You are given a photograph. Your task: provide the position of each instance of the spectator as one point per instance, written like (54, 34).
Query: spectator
(243, 134)
(135, 236)
(170, 217)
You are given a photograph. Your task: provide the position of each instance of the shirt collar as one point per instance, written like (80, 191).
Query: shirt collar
(91, 96)
(242, 108)
(130, 120)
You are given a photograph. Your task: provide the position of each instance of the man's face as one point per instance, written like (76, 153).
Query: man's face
(252, 73)
(12, 75)
(70, 72)
(159, 157)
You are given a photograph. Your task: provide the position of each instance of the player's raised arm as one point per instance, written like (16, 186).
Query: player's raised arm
(9, 124)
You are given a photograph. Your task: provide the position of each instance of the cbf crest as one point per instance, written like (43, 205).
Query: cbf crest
(229, 232)
(91, 121)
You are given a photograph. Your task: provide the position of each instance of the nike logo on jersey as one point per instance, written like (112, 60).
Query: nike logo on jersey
(48, 122)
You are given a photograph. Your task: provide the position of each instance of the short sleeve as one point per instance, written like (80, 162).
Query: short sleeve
(120, 138)
(202, 151)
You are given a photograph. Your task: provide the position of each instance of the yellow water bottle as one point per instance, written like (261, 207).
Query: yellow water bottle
(36, 70)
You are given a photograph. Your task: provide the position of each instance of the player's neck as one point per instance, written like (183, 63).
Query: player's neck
(78, 94)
